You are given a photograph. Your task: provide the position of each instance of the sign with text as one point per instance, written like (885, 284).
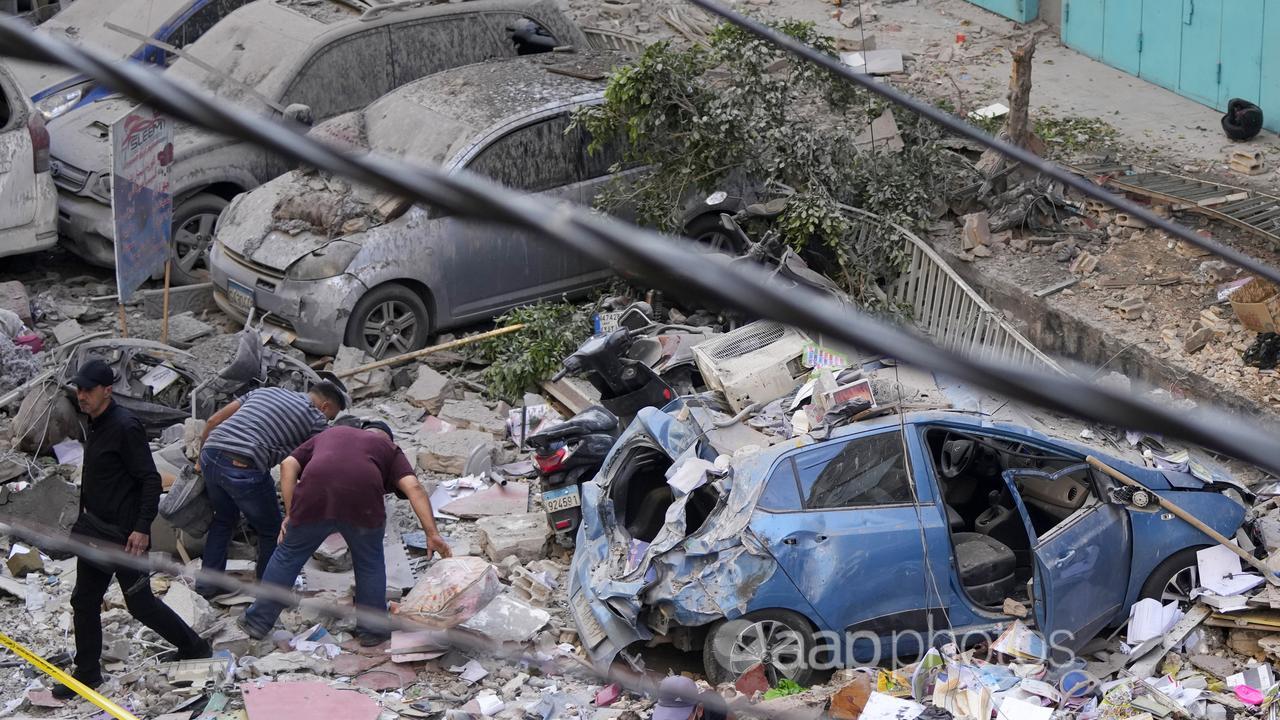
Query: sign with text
(141, 206)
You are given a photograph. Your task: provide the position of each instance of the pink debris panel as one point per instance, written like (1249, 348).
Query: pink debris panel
(312, 700)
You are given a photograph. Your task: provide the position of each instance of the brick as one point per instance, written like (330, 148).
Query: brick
(976, 232)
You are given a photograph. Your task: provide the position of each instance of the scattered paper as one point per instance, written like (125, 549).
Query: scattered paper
(472, 672)
(316, 640)
(159, 378)
(887, 707)
(1020, 641)
(689, 475)
(69, 452)
(991, 111)
(1149, 619)
(874, 62)
(1259, 678)
(1012, 708)
(1222, 574)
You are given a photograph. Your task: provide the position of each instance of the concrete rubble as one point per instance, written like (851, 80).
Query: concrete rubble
(1213, 658)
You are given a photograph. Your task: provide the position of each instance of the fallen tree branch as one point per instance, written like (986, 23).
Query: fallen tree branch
(429, 350)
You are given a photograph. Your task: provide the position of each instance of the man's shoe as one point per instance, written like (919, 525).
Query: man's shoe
(371, 639)
(250, 630)
(64, 692)
(197, 652)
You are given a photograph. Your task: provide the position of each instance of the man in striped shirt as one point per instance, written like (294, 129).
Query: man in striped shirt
(241, 443)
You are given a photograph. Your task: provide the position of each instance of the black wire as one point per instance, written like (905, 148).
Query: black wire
(668, 263)
(1009, 150)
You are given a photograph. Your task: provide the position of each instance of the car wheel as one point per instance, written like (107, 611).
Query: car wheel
(1173, 579)
(389, 320)
(780, 640)
(711, 237)
(193, 222)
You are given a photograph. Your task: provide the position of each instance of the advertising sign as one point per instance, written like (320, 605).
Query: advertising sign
(141, 206)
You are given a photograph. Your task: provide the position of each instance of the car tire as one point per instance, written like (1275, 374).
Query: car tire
(708, 233)
(1173, 579)
(193, 223)
(372, 327)
(731, 647)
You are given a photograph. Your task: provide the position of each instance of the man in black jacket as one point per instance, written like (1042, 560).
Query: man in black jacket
(119, 498)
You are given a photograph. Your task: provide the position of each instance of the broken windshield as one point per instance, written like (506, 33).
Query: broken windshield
(250, 51)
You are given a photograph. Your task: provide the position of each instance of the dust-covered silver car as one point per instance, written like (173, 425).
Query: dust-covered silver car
(341, 264)
(302, 59)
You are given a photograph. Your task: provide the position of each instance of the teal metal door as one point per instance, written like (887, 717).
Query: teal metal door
(1083, 22)
(1020, 10)
(1122, 34)
(1241, 57)
(1160, 59)
(1200, 67)
(1269, 94)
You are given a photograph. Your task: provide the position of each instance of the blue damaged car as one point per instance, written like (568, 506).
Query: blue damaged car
(890, 534)
(145, 31)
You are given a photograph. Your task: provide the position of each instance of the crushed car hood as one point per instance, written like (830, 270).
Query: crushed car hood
(691, 575)
(300, 212)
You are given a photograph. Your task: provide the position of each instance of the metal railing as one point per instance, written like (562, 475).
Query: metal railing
(951, 313)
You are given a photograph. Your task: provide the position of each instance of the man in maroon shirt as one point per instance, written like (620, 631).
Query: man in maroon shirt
(334, 483)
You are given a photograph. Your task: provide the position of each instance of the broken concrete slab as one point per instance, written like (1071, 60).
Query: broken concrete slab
(496, 500)
(23, 560)
(333, 555)
(507, 619)
(523, 536)
(447, 453)
(193, 609)
(275, 700)
(430, 390)
(294, 661)
(182, 299)
(365, 384)
(67, 331)
(1197, 340)
(184, 329)
(874, 62)
(473, 415)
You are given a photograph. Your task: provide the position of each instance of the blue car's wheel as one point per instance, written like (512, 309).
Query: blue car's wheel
(780, 640)
(1174, 579)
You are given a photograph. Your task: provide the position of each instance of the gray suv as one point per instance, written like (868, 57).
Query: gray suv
(315, 58)
(335, 263)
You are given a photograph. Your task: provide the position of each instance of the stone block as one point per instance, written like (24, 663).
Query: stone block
(193, 609)
(365, 384)
(430, 390)
(473, 415)
(447, 452)
(523, 536)
(1197, 340)
(13, 297)
(976, 232)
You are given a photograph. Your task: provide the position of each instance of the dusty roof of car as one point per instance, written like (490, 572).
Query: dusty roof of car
(257, 44)
(465, 101)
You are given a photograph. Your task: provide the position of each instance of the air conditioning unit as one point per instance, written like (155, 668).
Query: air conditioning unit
(757, 363)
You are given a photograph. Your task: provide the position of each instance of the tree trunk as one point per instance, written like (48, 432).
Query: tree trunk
(1017, 126)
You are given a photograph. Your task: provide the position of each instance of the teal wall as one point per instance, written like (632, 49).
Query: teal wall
(1208, 50)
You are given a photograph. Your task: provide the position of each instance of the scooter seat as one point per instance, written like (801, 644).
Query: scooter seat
(594, 419)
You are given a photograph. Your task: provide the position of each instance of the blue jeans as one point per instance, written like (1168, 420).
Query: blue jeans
(300, 541)
(234, 490)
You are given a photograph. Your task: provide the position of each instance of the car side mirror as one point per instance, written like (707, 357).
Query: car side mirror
(299, 113)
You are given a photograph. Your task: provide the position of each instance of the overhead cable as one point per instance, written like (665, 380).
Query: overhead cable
(669, 264)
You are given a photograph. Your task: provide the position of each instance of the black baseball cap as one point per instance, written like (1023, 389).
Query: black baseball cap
(367, 424)
(92, 374)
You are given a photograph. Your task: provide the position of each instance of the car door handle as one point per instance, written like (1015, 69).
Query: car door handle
(788, 541)
(820, 538)
(1063, 560)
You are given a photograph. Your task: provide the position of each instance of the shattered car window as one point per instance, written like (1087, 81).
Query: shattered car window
(865, 471)
(344, 76)
(201, 21)
(533, 158)
(421, 48)
(782, 493)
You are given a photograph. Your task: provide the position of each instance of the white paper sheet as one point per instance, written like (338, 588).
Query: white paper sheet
(1222, 574)
(886, 707)
(1149, 619)
(1014, 709)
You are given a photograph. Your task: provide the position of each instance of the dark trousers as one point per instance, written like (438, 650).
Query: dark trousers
(232, 491)
(92, 581)
(300, 542)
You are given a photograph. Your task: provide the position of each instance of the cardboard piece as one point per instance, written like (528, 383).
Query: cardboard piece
(275, 700)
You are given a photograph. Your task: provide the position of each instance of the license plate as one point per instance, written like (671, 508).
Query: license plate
(589, 627)
(239, 296)
(564, 498)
